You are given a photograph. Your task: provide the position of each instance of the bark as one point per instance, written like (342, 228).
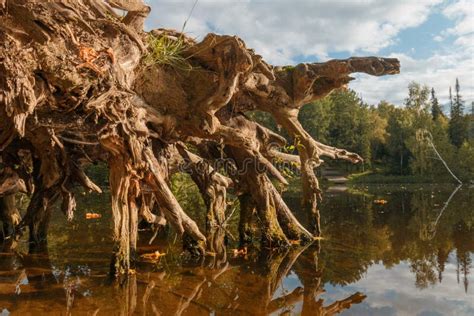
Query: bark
(247, 210)
(79, 85)
(9, 215)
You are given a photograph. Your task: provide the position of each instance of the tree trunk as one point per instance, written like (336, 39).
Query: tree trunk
(79, 85)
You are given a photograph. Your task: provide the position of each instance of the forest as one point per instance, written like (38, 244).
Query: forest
(146, 170)
(392, 138)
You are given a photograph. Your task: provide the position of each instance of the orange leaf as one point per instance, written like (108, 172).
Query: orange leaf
(240, 252)
(93, 215)
(152, 256)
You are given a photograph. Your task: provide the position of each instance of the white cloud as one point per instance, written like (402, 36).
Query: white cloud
(439, 71)
(463, 12)
(395, 288)
(284, 31)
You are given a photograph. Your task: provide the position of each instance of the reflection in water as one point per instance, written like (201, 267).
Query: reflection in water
(375, 259)
(434, 224)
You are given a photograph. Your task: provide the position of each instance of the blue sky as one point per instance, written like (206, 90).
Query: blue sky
(433, 39)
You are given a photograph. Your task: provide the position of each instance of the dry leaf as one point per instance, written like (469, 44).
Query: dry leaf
(152, 256)
(240, 252)
(93, 215)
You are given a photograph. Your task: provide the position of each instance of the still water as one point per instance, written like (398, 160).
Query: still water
(409, 256)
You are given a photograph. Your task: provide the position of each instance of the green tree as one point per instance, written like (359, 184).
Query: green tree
(399, 129)
(341, 119)
(417, 105)
(349, 125)
(315, 118)
(417, 99)
(436, 110)
(471, 123)
(379, 136)
(465, 161)
(458, 125)
(441, 140)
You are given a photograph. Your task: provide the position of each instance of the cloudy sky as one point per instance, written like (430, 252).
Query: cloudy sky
(433, 39)
(392, 291)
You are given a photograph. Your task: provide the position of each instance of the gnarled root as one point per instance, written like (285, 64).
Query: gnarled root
(99, 93)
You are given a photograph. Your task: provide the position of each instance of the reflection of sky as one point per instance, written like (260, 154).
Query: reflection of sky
(393, 292)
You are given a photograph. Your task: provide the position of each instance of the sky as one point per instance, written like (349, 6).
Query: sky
(433, 39)
(392, 291)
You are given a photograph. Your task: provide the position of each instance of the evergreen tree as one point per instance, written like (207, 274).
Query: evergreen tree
(450, 102)
(349, 126)
(315, 118)
(436, 110)
(458, 124)
(458, 103)
(471, 124)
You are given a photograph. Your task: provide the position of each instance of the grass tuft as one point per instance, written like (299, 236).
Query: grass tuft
(164, 50)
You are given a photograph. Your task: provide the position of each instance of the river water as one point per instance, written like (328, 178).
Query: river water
(412, 255)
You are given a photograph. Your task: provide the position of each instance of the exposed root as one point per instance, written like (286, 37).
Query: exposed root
(56, 118)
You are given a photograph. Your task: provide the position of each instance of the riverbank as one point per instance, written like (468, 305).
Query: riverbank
(371, 177)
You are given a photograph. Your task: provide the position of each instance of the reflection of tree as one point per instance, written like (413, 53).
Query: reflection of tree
(434, 224)
(463, 237)
(354, 241)
(401, 230)
(263, 278)
(252, 286)
(306, 268)
(424, 270)
(357, 235)
(442, 258)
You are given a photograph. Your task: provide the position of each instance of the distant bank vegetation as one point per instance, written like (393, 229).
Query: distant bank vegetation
(392, 138)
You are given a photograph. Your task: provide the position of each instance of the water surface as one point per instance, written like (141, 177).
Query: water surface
(410, 256)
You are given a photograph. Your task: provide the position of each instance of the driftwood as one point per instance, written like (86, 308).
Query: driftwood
(80, 84)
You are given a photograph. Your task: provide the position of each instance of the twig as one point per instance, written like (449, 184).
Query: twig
(78, 142)
(441, 158)
(444, 207)
(189, 16)
(154, 235)
(230, 215)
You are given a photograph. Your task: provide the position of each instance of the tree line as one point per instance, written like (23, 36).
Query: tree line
(393, 139)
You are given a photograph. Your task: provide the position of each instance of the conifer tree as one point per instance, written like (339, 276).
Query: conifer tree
(436, 110)
(458, 123)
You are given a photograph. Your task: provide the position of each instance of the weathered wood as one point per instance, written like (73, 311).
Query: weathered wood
(79, 85)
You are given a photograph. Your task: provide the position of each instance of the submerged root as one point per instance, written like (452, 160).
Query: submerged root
(80, 90)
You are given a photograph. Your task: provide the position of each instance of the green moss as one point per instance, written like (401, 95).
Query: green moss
(288, 68)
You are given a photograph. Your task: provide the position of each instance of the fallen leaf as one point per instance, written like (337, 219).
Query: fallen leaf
(152, 256)
(93, 215)
(87, 54)
(240, 252)
(381, 201)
